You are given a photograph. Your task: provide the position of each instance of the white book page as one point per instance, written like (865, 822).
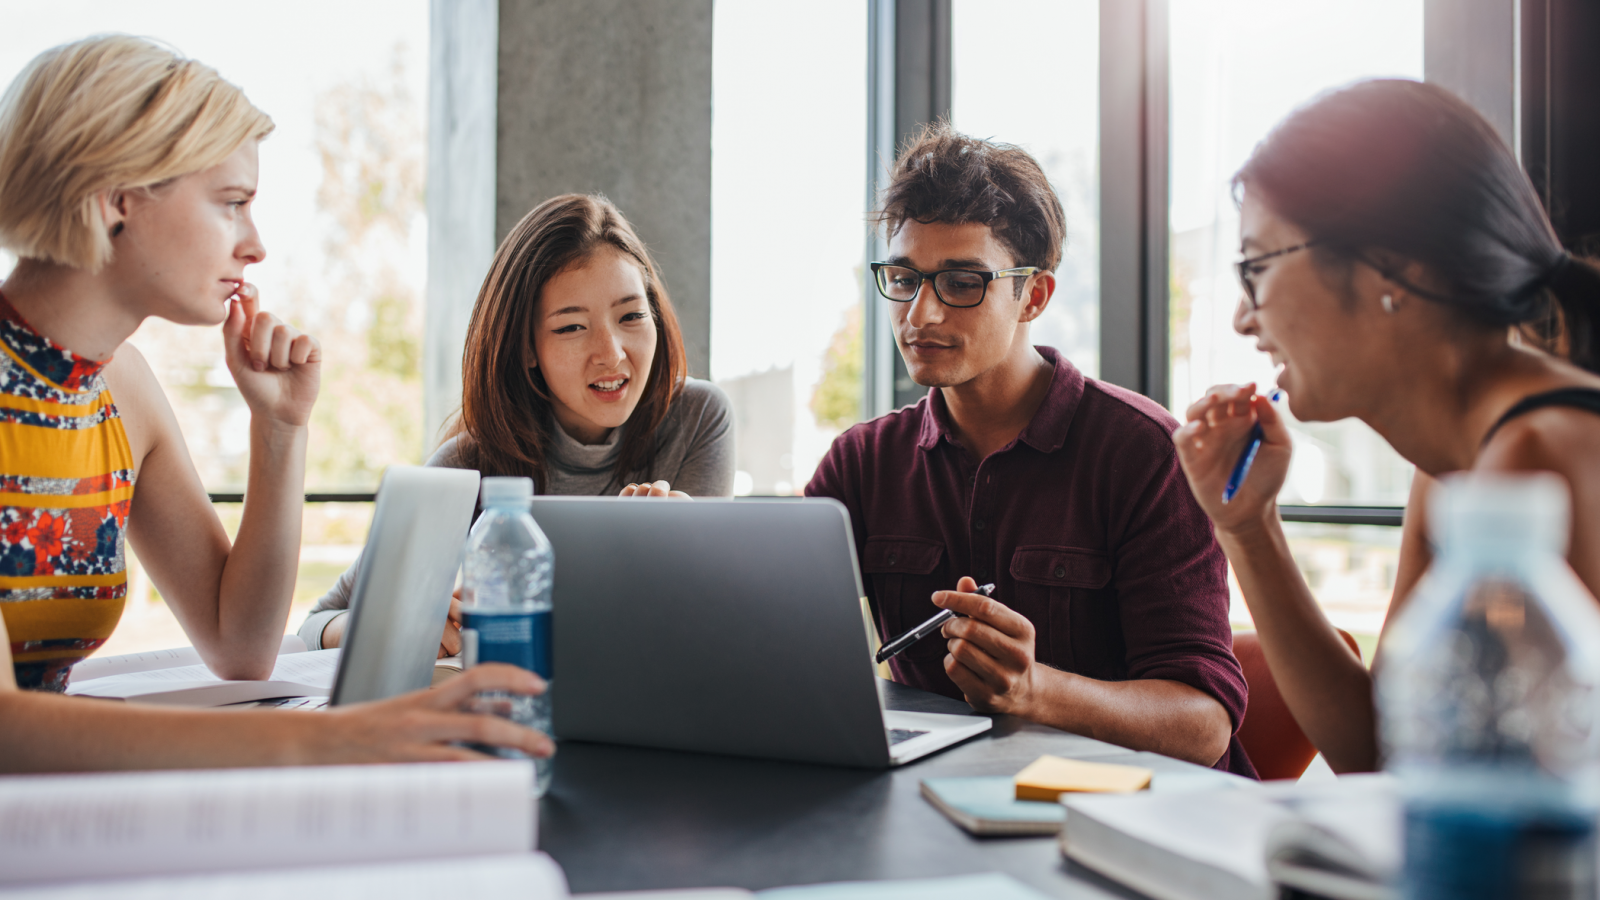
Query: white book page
(527, 876)
(104, 666)
(315, 668)
(1199, 844)
(80, 827)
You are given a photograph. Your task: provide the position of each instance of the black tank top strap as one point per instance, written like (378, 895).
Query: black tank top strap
(1578, 398)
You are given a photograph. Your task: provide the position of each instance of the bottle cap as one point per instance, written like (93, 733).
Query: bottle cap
(504, 491)
(1499, 514)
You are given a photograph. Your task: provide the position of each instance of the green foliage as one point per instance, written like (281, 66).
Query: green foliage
(370, 139)
(836, 402)
(392, 346)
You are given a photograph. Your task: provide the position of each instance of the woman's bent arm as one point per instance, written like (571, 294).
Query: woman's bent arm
(233, 601)
(52, 733)
(1326, 687)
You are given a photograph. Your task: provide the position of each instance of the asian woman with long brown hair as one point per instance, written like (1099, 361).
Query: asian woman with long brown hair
(574, 375)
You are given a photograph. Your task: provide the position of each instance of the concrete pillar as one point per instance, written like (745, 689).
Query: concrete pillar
(615, 96)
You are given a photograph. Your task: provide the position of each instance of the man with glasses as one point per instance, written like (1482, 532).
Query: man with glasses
(1109, 615)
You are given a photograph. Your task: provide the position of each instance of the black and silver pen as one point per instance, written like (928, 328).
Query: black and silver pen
(898, 645)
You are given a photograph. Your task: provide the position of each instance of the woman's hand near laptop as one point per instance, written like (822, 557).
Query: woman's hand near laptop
(450, 640)
(653, 489)
(426, 725)
(51, 733)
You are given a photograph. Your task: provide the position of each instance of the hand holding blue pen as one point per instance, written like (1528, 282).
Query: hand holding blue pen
(1241, 469)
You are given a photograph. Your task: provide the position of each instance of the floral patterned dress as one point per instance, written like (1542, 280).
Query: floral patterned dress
(66, 480)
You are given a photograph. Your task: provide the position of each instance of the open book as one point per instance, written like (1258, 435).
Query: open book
(1204, 845)
(104, 666)
(447, 825)
(1343, 846)
(308, 674)
(1339, 840)
(177, 677)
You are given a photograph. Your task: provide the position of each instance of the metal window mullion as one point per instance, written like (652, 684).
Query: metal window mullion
(1133, 195)
(877, 395)
(908, 62)
(1156, 317)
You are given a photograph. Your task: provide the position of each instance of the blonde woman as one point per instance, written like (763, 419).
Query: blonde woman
(127, 175)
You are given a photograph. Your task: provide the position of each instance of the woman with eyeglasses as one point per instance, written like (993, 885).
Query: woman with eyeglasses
(1399, 268)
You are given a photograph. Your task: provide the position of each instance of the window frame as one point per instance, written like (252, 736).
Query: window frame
(909, 67)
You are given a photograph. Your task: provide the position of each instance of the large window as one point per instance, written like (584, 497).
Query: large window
(340, 211)
(1043, 95)
(1237, 67)
(788, 205)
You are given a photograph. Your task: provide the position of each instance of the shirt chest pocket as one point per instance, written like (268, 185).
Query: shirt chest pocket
(905, 572)
(1066, 592)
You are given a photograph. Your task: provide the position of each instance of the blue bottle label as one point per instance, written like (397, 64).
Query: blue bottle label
(1457, 852)
(519, 638)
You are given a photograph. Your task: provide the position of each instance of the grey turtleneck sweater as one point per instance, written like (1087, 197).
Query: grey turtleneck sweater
(694, 452)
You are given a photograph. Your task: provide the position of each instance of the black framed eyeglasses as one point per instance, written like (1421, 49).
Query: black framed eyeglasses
(1248, 269)
(960, 288)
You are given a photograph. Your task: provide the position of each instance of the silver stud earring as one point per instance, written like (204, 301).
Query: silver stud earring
(1388, 303)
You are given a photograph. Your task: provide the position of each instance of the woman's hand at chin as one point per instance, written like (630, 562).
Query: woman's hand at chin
(1210, 443)
(276, 366)
(653, 489)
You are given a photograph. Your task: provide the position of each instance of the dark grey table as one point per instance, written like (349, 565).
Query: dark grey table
(624, 818)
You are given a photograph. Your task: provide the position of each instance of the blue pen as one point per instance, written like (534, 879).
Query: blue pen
(1241, 469)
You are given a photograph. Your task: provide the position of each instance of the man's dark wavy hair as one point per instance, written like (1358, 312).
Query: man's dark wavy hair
(948, 178)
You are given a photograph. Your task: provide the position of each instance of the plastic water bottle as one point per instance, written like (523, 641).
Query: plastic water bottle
(505, 603)
(1488, 695)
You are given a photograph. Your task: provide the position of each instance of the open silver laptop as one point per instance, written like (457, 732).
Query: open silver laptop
(402, 590)
(721, 626)
(403, 583)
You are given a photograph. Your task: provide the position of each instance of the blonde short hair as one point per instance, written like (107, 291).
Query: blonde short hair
(106, 113)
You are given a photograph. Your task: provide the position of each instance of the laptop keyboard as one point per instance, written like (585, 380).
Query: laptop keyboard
(284, 703)
(901, 735)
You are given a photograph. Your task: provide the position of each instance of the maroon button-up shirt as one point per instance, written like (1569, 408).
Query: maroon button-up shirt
(1084, 523)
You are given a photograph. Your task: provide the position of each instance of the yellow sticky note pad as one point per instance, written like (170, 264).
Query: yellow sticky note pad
(1047, 777)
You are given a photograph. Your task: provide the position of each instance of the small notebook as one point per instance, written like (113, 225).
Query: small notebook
(988, 806)
(1048, 777)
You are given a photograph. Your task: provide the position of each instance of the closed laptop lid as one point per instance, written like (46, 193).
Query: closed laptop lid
(721, 626)
(406, 573)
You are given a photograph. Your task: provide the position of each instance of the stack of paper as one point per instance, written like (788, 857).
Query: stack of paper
(94, 828)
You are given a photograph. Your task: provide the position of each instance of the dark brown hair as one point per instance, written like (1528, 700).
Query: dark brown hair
(505, 422)
(949, 178)
(1390, 170)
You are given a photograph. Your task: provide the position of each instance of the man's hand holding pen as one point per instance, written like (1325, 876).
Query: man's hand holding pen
(991, 650)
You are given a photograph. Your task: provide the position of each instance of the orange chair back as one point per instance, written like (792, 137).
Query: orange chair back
(1269, 734)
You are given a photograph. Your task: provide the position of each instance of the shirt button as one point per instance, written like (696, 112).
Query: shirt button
(979, 524)
(983, 574)
(894, 559)
(1060, 572)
